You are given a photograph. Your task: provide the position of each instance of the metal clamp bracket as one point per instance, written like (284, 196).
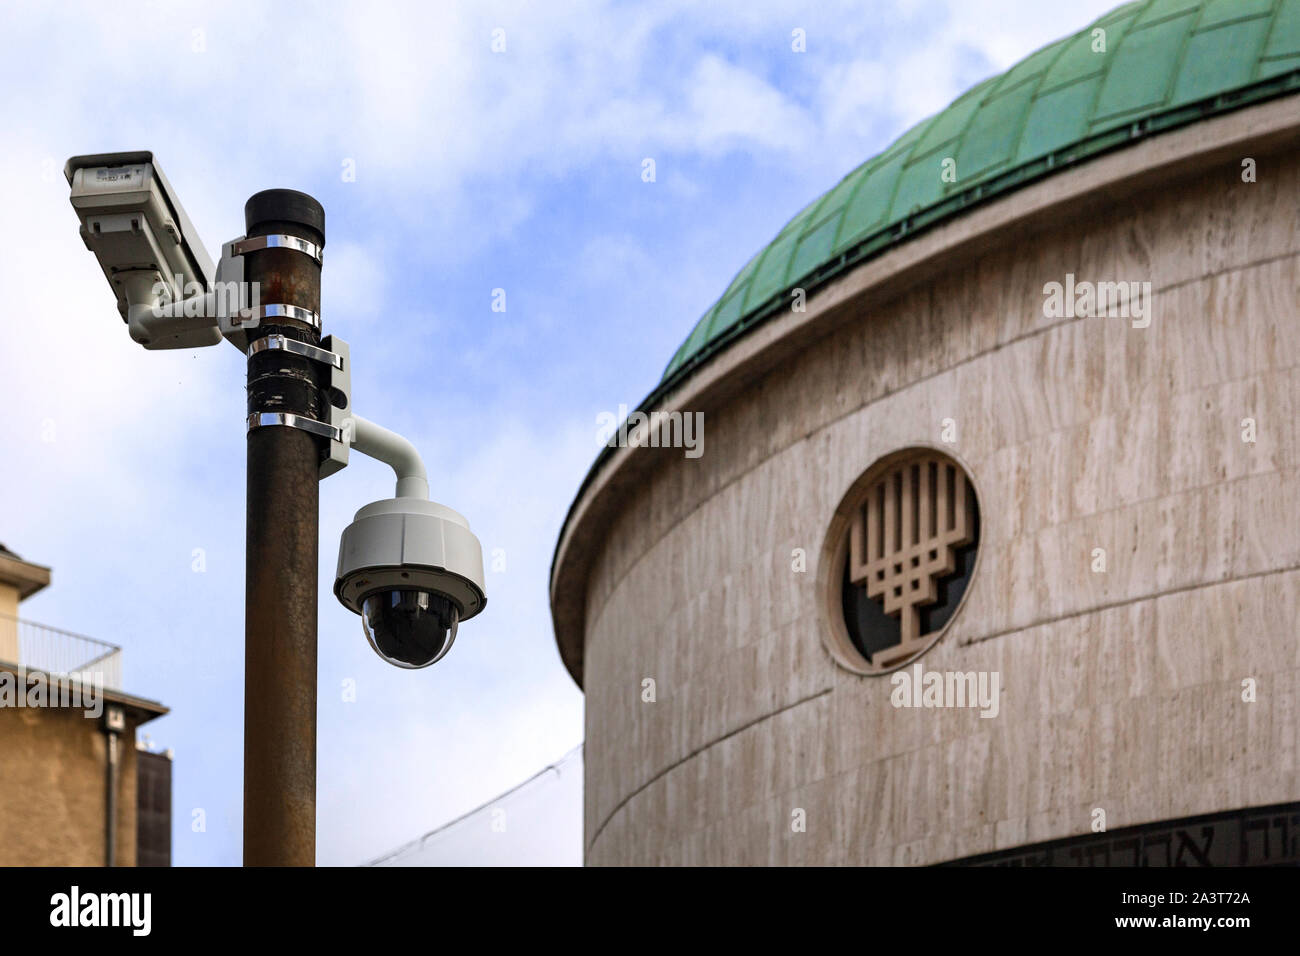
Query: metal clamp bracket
(340, 403)
(266, 419)
(334, 353)
(305, 349)
(278, 241)
(280, 310)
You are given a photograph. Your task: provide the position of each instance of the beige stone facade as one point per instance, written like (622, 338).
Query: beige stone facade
(1121, 689)
(53, 789)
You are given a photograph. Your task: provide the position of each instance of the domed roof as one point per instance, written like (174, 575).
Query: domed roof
(1166, 63)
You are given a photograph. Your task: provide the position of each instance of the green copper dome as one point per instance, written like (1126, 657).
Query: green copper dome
(1166, 63)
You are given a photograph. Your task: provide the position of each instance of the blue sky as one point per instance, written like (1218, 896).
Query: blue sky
(474, 170)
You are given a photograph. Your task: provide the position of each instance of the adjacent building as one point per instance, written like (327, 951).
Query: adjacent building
(74, 788)
(989, 552)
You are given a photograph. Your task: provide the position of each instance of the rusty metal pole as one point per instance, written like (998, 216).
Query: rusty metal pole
(282, 540)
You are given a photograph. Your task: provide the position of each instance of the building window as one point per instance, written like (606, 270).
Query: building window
(910, 531)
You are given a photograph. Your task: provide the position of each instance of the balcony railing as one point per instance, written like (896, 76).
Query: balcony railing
(40, 648)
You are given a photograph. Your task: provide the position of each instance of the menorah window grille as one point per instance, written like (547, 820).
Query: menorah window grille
(910, 540)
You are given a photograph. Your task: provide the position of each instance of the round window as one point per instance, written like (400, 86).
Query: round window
(899, 558)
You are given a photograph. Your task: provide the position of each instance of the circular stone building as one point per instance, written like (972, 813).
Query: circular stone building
(990, 551)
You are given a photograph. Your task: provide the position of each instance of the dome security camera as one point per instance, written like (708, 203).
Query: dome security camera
(413, 570)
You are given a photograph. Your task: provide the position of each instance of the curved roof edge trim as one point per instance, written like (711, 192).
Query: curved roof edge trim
(1008, 181)
(1156, 56)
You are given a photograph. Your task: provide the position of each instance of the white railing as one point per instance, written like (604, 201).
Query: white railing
(37, 647)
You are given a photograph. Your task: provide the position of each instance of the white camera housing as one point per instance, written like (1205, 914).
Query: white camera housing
(145, 243)
(404, 545)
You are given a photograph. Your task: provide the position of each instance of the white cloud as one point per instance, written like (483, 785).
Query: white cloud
(731, 108)
(356, 283)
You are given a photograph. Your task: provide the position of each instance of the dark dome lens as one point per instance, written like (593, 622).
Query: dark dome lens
(409, 628)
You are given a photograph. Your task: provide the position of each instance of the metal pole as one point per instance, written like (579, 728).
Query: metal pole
(282, 544)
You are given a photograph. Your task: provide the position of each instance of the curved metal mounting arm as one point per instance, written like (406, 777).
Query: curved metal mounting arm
(379, 443)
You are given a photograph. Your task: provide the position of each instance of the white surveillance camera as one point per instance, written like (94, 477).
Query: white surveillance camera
(149, 251)
(413, 570)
